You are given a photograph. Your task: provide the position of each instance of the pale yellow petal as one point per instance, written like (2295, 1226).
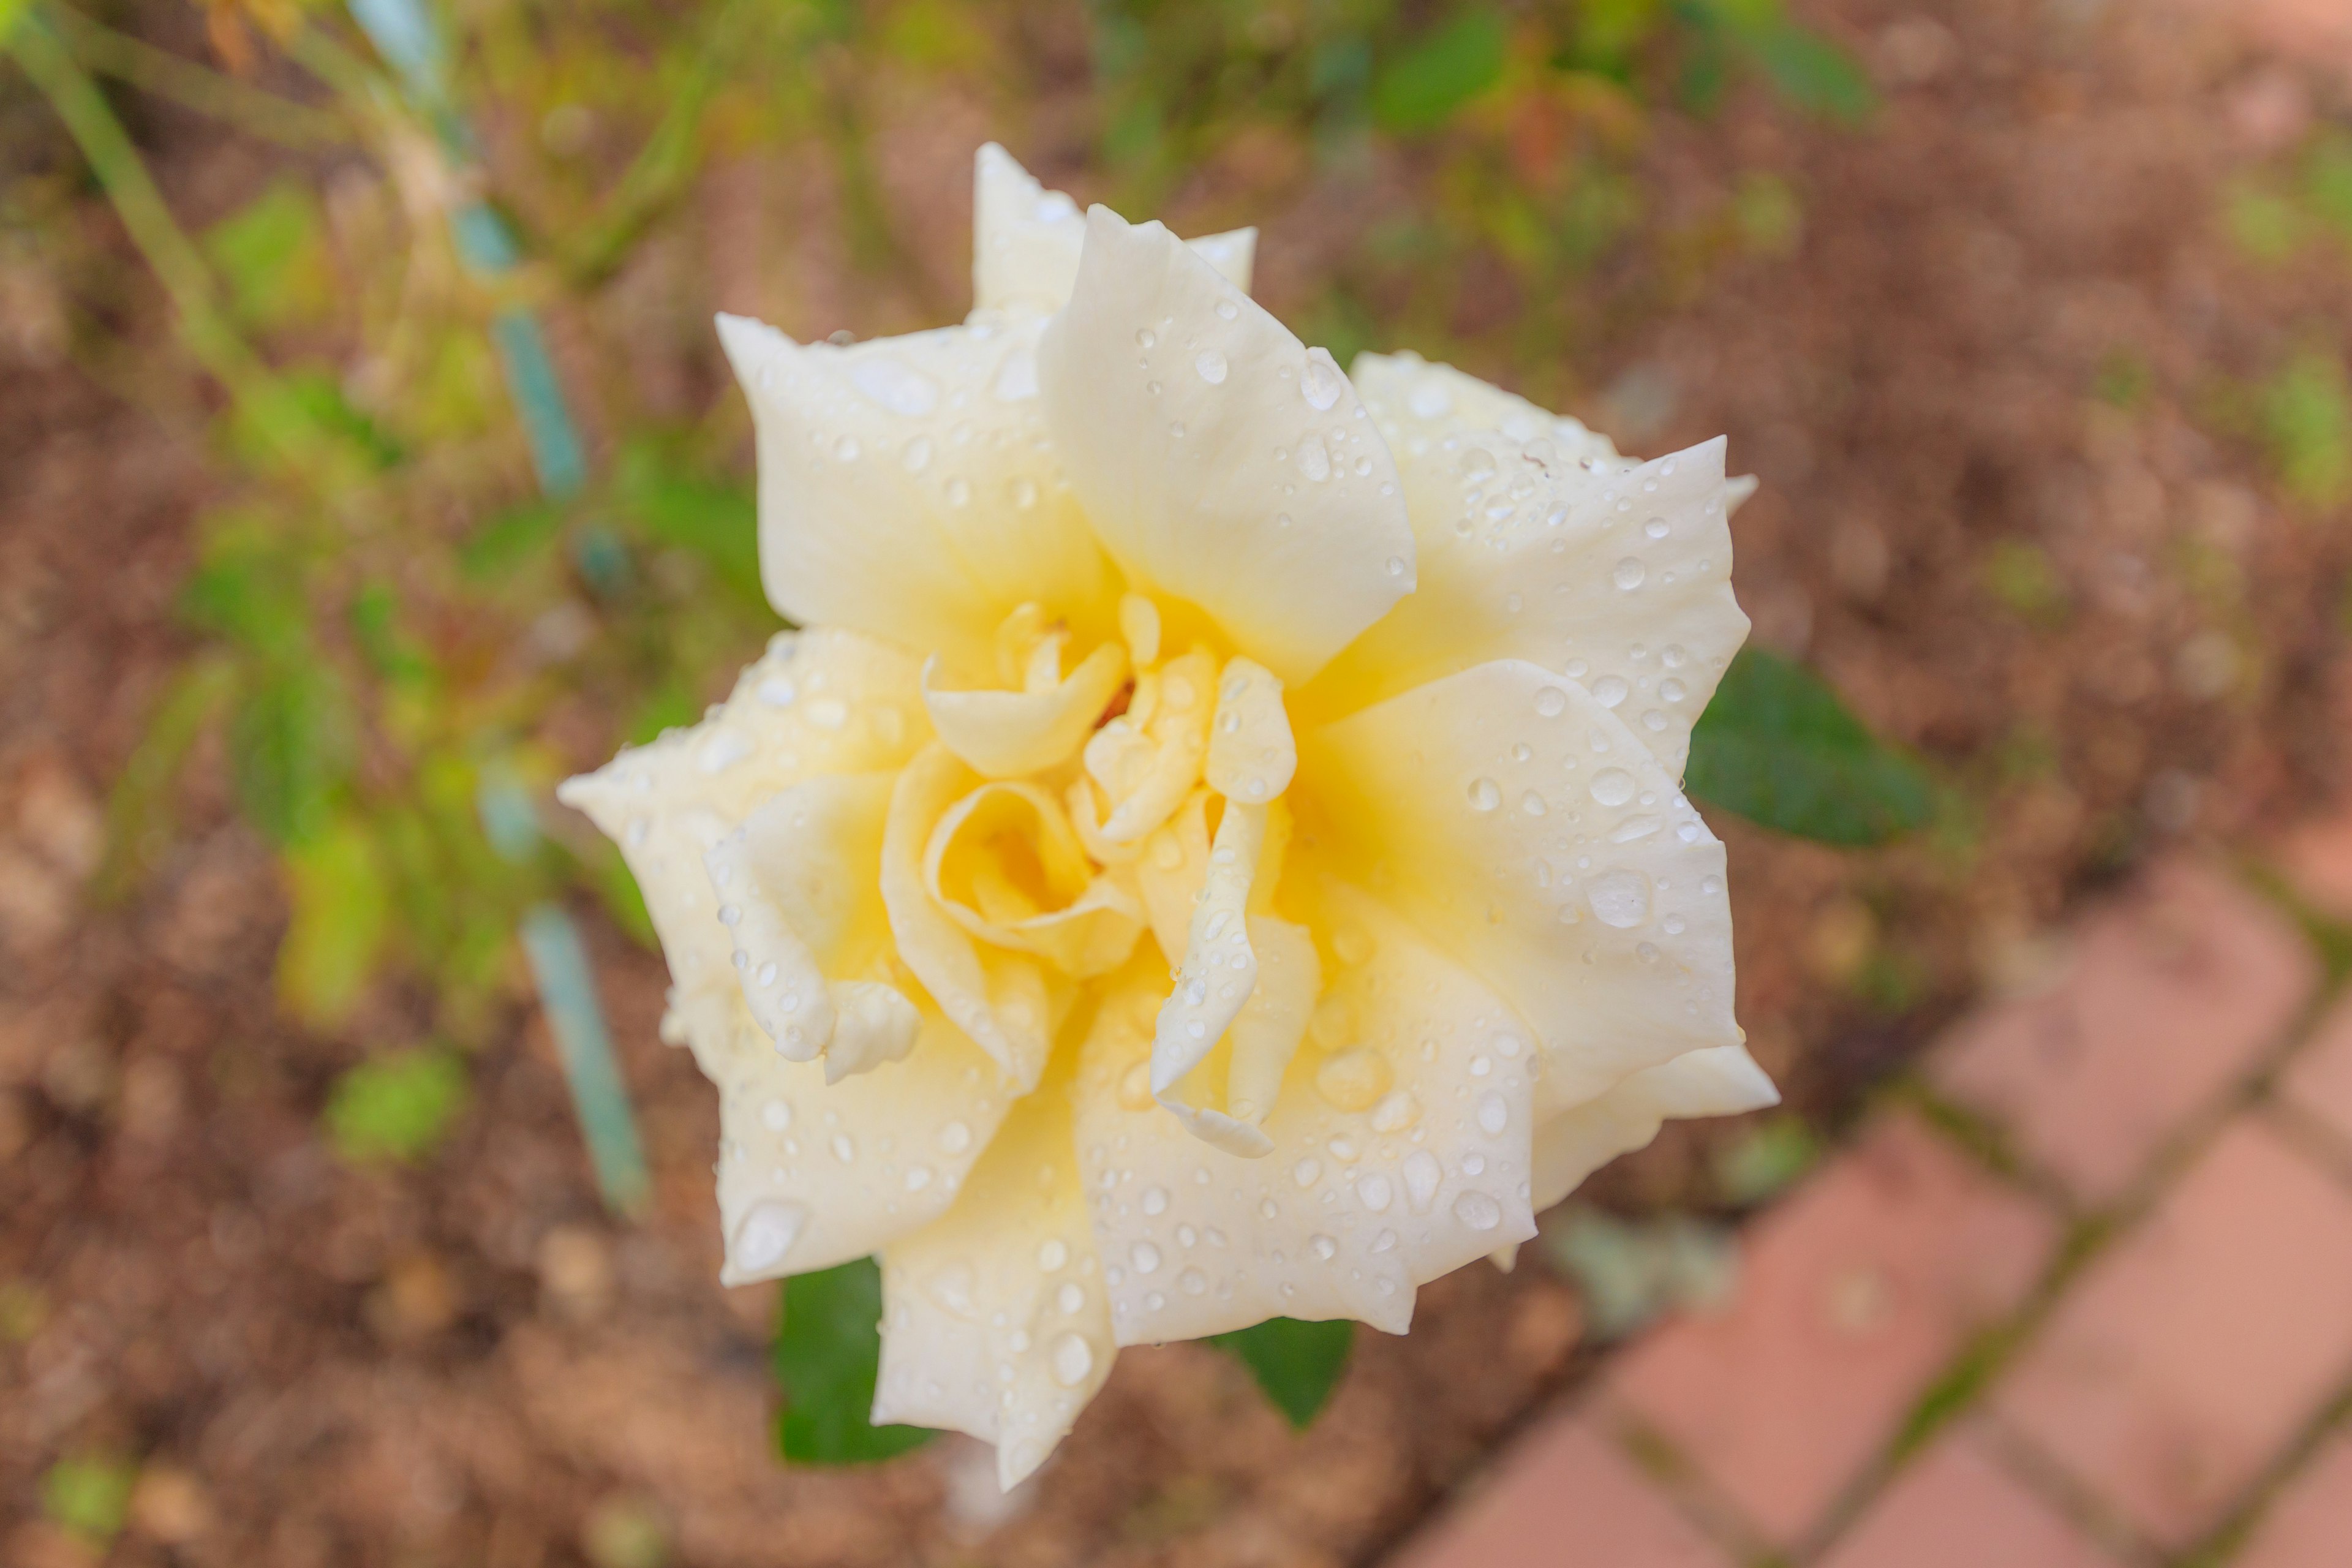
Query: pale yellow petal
(1520, 824)
(1026, 239)
(1617, 576)
(1218, 461)
(907, 488)
(1251, 753)
(994, 1319)
(1571, 1144)
(1148, 759)
(1010, 735)
(1000, 999)
(1362, 1196)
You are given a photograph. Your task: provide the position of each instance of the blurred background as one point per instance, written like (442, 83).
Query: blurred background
(368, 463)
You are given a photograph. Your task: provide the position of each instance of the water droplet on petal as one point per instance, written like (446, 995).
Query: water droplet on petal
(1493, 1115)
(1485, 794)
(1398, 1112)
(1612, 786)
(1073, 1359)
(1155, 1201)
(1321, 381)
(1314, 461)
(1421, 1177)
(1211, 364)
(1325, 1248)
(767, 1233)
(1609, 690)
(1478, 1211)
(1620, 898)
(1551, 701)
(1053, 1255)
(1305, 1172)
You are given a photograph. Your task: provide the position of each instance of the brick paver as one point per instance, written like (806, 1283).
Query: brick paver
(2173, 995)
(1853, 1295)
(2190, 1355)
(1959, 1506)
(2309, 1525)
(2318, 1081)
(1566, 1498)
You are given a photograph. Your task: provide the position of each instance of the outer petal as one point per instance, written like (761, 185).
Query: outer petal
(1513, 817)
(1358, 1202)
(808, 1175)
(1618, 573)
(824, 702)
(1026, 239)
(1217, 458)
(906, 488)
(994, 1320)
(1572, 1145)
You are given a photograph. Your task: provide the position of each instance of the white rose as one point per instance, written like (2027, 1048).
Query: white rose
(1368, 924)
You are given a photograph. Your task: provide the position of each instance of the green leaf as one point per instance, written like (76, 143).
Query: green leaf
(273, 254)
(397, 1107)
(289, 745)
(9, 11)
(87, 1498)
(2306, 412)
(720, 523)
(1296, 1364)
(1440, 71)
(1812, 73)
(828, 1349)
(1777, 747)
(342, 920)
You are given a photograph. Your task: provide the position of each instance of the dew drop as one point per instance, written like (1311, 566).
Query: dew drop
(1325, 1248)
(1656, 528)
(767, 1233)
(1069, 1297)
(1355, 1078)
(1144, 338)
(1422, 1177)
(1320, 383)
(1193, 1282)
(1211, 364)
(775, 1116)
(1145, 1257)
(1312, 460)
(1478, 1211)
(1609, 690)
(1305, 1172)
(918, 454)
(843, 1148)
(1053, 1255)
(1396, 1112)
(955, 1137)
(1073, 1359)
(1376, 1192)
(847, 449)
(1612, 786)
(1485, 794)
(1430, 400)
(1532, 804)
(1396, 566)
(1155, 1201)
(1620, 898)
(1551, 701)
(1493, 1115)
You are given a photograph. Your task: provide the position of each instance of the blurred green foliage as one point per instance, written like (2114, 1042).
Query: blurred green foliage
(88, 1497)
(1777, 747)
(397, 1107)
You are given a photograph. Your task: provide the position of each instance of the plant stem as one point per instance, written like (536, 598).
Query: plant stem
(167, 75)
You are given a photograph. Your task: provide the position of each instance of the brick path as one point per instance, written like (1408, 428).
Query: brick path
(2078, 1294)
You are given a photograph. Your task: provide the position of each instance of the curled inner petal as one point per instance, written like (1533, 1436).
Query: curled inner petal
(1006, 734)
(1006, 867)
(1148, 759)
(1251, 753)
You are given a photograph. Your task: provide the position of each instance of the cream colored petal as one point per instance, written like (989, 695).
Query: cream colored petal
(821, 703)
(1519, 823)
(1251, 753)
(994, 1321)
(1573, 1143)
(798, 886)
(1619, 577)
(1264, 1035)
(1219, 967)
(907, 488)
(1000, 999)
(813, 1172)
(1362, 1196)
(1147, 771)
(1217, 458)
(1009, 734)
(874, 1023)
(1173, 867)
(1084, 802)
(1026, 239)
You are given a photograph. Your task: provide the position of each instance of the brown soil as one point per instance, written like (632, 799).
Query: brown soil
(468, 1363)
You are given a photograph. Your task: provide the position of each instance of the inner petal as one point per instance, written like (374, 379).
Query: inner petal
(1005, 865)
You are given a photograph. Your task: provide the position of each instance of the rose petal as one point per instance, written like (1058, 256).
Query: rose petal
(1026, 239)
(1621, 577)
(1513, 818)
(1251, 753)
(1355, 1204)
(907, 488)
(1216, 458)
(1010, 735)
(994, 1321)
(1573, 1143)
(1000, 999)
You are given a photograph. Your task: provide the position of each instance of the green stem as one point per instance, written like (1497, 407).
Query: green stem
(167, 75)
(35, 45)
